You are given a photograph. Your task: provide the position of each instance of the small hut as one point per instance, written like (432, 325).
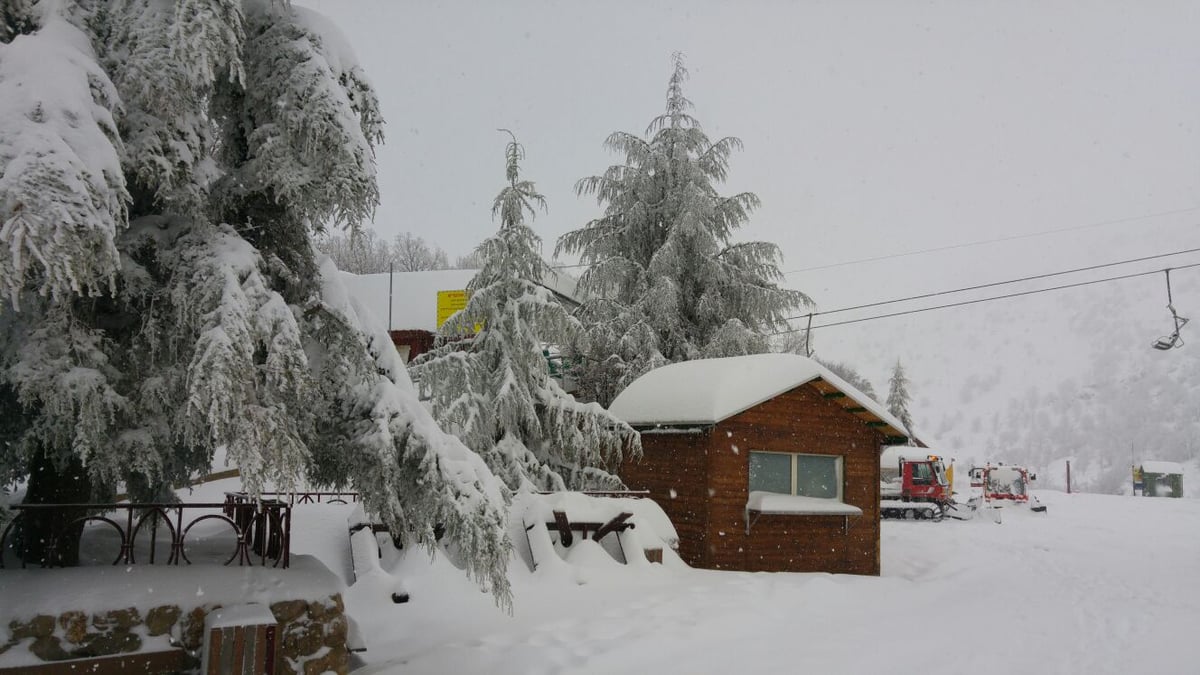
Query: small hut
(768, 462)
(1162, 479)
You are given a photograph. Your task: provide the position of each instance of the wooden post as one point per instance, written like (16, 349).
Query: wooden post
(564, 528)
(1068, 476)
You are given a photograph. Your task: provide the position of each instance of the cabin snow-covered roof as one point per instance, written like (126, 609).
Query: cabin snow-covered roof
(1162, 467)
(414, 294)
(707, 391)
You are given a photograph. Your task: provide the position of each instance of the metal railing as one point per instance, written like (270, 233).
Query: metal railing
(261, 529)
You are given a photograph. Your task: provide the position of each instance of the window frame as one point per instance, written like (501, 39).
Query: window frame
(838, 467)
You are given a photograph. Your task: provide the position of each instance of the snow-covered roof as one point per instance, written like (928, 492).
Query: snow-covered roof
(564, 284)
(1162, 467)
(414, 294)
(707, 391)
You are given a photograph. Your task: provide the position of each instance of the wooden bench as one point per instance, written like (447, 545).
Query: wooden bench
(598, 530)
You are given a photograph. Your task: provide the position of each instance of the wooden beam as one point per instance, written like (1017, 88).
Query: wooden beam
(564, 528)
(856, 409)
(612, 525)
(874, 423)
(834, 394)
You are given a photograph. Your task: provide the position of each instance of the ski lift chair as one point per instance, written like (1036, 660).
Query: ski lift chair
(1173, 340)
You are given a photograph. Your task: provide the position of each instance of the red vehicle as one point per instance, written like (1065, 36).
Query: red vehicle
(913, 484)
(1005, 483)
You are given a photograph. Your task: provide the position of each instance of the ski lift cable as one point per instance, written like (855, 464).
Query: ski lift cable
(979, 300)
(993, 284)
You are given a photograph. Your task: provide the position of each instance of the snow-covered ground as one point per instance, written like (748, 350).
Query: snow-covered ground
(1099, 584)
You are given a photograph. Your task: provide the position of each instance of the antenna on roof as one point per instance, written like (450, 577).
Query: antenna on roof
(807, 337)
(1173, 340)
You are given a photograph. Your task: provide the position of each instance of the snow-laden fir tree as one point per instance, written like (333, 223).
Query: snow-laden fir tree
(163, 166)
(671, 283)
(494, 389)
(898, 399)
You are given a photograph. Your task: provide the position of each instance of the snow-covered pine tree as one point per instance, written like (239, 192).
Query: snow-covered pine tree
(670, 282)
(164, 165)
(494, 389)
(898, 399)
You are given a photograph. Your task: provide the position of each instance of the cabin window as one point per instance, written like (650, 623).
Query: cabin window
(796, 474)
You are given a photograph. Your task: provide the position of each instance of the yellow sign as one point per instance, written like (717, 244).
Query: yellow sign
(449, 302)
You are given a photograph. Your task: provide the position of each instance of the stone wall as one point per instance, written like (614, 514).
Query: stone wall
(312, 634)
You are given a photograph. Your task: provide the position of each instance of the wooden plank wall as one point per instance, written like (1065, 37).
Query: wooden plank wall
(709, 475)
(674, 468)
(801, 420)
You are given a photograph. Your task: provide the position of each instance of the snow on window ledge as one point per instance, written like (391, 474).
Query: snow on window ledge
(772, 503)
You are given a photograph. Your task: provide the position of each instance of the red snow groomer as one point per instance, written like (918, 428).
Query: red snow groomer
(912, 484)
(1005, 484)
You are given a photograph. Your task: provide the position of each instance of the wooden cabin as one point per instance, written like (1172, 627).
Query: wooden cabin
(767, 462)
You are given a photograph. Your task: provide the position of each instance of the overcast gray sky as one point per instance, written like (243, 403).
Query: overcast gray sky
(870, 128)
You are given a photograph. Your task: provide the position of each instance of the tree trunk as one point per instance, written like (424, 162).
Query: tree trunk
(51, 537)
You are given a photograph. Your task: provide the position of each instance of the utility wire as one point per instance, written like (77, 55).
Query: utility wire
(996, 283)
(979, 300)
(994, 241)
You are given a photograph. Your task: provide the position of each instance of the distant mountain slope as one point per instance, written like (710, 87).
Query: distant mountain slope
(1047, 377)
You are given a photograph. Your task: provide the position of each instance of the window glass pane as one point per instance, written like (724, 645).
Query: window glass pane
(816, 476)
(770, 472)
(922, 474)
